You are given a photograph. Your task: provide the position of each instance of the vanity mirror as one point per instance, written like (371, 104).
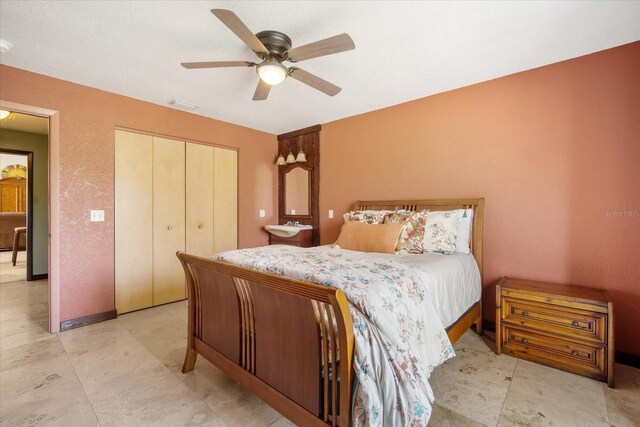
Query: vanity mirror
(296, 193)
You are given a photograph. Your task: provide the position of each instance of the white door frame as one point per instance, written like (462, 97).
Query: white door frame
(54, 203)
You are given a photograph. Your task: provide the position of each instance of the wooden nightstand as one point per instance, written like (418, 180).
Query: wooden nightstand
(564, 326)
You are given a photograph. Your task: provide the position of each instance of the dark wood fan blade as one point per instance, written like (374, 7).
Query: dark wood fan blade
(314, 81)
(234, 23)
(217, 64)
(262, 91)
(335, 44)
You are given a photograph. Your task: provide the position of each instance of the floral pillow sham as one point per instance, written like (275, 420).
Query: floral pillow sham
(441, 231)
(369, 217)
(413, 229)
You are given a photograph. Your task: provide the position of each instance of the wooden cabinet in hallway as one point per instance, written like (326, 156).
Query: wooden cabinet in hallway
(13, 195)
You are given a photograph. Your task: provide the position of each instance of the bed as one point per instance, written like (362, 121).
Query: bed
(291, 342)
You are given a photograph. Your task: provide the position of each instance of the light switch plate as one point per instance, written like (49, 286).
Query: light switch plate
(292, 212)
(330, 213)
(97, 215)
(262, 213)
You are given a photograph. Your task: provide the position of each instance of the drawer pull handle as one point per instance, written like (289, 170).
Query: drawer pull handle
(525, 313)
(575, 323)
(574, 353)
(524, 340)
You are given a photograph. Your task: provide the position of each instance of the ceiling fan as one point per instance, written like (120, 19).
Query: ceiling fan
(273, 48)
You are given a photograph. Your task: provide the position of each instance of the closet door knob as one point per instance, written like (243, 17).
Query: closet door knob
(200, 225)
(169, 228)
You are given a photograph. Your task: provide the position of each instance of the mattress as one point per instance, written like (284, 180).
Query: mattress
(453, 281)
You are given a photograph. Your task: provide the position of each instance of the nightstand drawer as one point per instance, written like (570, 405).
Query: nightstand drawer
(575, 357)
(564, 321)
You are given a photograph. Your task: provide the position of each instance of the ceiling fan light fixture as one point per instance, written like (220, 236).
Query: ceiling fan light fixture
(273, 48)
(272, 72)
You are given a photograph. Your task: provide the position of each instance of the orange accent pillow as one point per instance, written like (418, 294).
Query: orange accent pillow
(359, 236)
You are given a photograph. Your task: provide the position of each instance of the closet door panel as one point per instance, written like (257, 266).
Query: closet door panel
(133, 227)
(168, 219)
(225, 199)
(199, 200)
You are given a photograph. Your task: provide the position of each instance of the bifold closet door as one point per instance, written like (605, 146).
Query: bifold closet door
(133, 226)
(199, 200)
(168, 219)
(225, 199)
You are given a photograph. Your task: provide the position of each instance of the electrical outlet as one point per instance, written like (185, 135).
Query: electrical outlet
(330, 213)
(97, 216)
(262, 213)
(293, 211)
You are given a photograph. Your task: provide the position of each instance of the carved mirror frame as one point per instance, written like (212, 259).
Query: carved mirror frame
(308, 139)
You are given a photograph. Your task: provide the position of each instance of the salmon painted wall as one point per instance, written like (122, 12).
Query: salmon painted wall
(555, 151)
(87, 120)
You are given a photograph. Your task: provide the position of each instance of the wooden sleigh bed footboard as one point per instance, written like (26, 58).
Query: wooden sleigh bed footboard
(293, 349)
(282, 349)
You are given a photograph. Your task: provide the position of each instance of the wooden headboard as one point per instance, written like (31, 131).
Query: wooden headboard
(439, 205)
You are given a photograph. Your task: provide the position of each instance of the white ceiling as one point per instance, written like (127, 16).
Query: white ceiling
(404, 50)
(26, 123)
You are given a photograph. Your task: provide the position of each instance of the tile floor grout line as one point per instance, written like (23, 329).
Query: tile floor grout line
(275, 421)
(504, 402)
(606, 406)
(178, 374)
(224, 420)
(175, 374)
(78, 378)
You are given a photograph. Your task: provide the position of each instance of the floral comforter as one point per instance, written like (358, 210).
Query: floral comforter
(399, 338)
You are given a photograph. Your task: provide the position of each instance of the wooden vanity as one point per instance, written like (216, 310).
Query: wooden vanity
(303, 239)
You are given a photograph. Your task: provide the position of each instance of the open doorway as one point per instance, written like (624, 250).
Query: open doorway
(24, 211)
(15, 167)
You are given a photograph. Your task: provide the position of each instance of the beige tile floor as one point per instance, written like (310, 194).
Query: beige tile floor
(10, 273)
(127, 372)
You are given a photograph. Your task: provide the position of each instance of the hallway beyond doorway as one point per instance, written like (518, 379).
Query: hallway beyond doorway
(9, 273)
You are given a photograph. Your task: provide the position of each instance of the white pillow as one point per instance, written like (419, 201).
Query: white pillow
(463, 235)
(441, 230)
